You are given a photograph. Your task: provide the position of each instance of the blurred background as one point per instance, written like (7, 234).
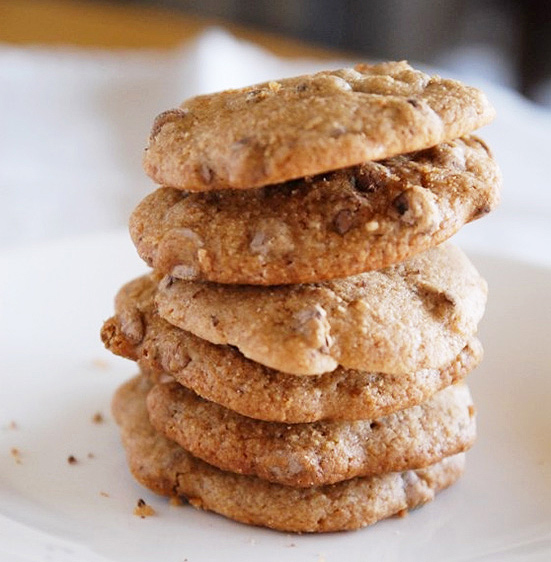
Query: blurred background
(506, 40)
(82, 80)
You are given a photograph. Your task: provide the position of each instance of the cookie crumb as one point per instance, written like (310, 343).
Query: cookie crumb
(98, 418)
(175, 500)
(104, 495)
(71, 459)
(16, 454)
(196, 502)
(143, 510)
(100, 363)
(90, 455)
(343, 221)
(12, 425)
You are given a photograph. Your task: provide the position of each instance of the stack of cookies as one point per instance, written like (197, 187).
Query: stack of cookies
(305, 330)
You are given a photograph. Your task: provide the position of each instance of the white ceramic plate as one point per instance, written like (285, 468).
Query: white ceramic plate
(55, 375)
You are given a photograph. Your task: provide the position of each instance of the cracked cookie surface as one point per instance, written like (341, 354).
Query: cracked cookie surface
(167, 469)
(335, 225)
(220, 373)
(414, 315)
(286, 129)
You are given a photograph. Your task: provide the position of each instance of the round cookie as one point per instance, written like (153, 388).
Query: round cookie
(295, 127)
(167, 469)
(418, 314)
(335, 225)
(314, 454)
(221, 374)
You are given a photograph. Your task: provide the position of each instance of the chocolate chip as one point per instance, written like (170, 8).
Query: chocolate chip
(253, 94)
(481, 211)
(338, 131)
(243, 142)
(257, 95)
(206, 173)
(412, 101)
(365, 182)
(132, 325)
(401, 203)
(343, 221)
(166, 117)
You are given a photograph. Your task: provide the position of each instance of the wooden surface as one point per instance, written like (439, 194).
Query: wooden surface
(102, 24)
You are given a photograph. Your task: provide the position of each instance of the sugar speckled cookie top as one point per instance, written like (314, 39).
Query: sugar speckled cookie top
(334, 225)
(414, 315)
(307, 125)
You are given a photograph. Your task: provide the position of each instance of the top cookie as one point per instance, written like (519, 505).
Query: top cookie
(307, 125)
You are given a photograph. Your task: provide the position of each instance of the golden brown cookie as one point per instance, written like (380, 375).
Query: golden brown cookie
(164, 467)
(418, 314)
(221, 374)
(303, 126)
(334, 225)
(314, 454)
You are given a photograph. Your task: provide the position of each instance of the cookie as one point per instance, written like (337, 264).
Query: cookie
(418, 314)
(167, 469)
(303, 126)
(314, 454)
(333, 225)
(220, 373)
(261, 393)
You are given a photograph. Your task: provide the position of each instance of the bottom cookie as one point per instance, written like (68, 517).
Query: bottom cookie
(164, 467)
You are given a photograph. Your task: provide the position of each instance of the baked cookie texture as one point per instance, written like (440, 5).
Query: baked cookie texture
(306, 329)
(167, 469)
(329, 226)
(415, 315)
(221, 374)
(314, 454)
(286, 129)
